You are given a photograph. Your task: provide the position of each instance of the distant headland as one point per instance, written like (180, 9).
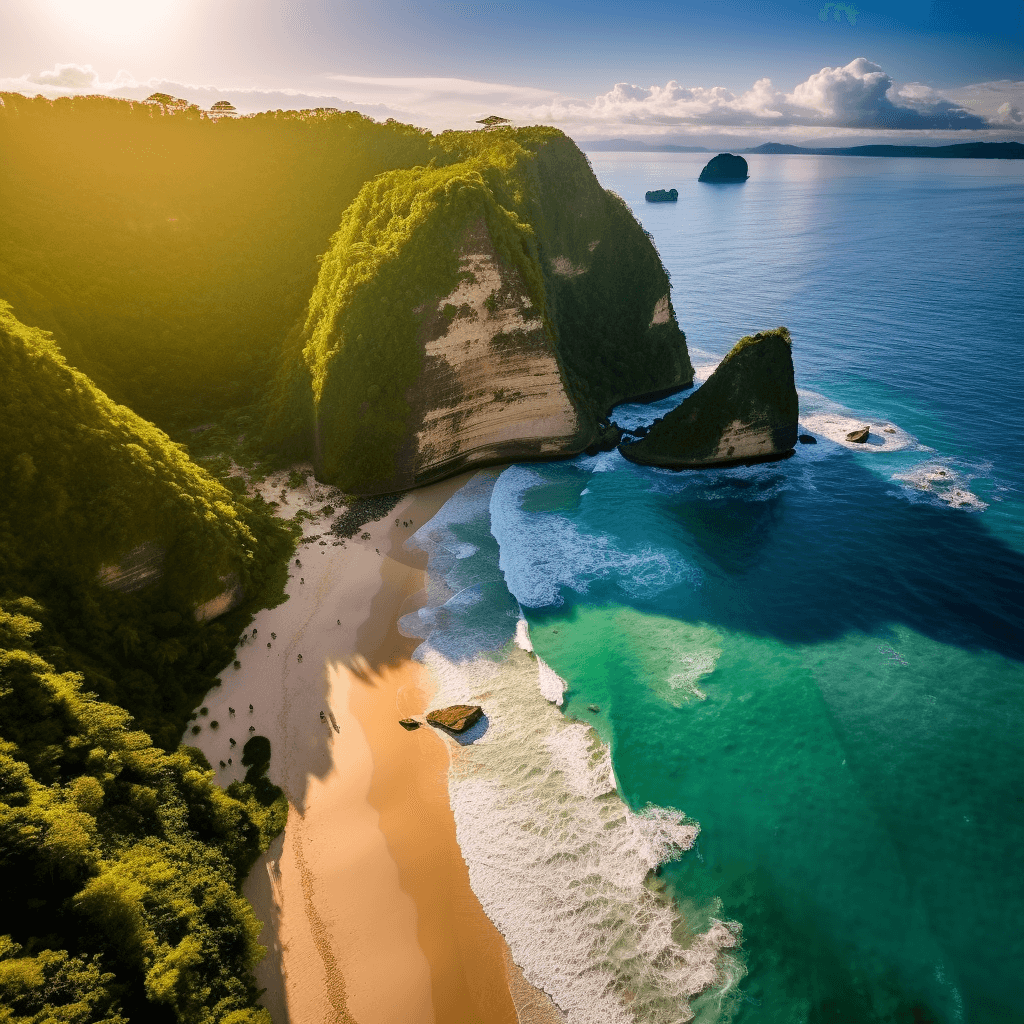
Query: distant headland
(962, 150)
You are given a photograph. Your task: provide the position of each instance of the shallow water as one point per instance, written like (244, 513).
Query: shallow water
(817, 660)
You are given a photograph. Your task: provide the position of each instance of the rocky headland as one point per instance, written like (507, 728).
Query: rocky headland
(746, 411)
(724, 167)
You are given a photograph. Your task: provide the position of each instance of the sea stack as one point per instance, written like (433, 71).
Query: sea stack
(724, 167)
(660, 195)
(746, 411)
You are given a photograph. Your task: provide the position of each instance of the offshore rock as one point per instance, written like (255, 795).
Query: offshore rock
(859, 436)
(457, 718)
(808, 439)
(608, 440)
(660, 195)
(746, 411)
(724, 167)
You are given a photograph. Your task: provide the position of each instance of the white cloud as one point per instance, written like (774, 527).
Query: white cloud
(858, 97)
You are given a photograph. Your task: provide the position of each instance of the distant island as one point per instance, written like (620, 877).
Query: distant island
(726, 167)
(662, 196)
(963, 150)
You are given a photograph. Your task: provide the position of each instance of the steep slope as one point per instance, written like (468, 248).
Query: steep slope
(490, 307)
(746, 411)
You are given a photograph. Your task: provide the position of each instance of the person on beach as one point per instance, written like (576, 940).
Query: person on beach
(250, 709)
(322, 719)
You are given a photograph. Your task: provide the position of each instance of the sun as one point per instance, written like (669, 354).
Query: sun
(115, 20)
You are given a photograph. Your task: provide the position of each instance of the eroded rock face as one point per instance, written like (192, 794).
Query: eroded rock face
(724, 167)
(746, 411)
(491, 388)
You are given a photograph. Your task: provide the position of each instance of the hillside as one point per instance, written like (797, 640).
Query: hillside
(123, 860)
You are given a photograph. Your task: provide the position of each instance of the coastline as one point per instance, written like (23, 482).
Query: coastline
(365, 899)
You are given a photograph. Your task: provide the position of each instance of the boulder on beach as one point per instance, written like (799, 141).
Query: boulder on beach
(660, 195)
(746, 411)
(457, 718)
(724, 167)
(409, 723)
(858, 436)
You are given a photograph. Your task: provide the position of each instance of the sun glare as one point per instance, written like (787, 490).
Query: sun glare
(122, 20)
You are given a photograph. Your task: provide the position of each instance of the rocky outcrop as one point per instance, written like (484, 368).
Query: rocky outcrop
(479, 311)
(745, 412)
(491, 388)
(859, 436)
(457, 718)
(661, 195)
(724, 167)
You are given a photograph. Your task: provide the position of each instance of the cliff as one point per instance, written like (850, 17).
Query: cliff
(746, 411)
(724, 167)
(490, 309)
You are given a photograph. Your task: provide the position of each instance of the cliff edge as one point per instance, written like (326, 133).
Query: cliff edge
(746, 411)
(489, 307)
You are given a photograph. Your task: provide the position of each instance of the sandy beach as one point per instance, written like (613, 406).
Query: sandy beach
(365, 898)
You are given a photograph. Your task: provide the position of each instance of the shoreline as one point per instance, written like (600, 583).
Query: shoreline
(365, 900)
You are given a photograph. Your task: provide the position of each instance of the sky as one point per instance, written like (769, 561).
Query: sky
(704, 72)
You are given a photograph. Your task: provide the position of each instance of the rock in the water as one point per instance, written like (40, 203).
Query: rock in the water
(607, 441)
(745, 412)
(409, 723)
(594, 707)
(858, 436)
(458, 718)
(808, 439)
(661, 195)
(725, 167)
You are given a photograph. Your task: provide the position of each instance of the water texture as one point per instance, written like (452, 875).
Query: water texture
(818, 660)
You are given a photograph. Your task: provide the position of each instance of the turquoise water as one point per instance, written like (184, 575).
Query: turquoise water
(818, 660)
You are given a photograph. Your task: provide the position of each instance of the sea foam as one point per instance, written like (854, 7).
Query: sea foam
(543, 552)
(560, 863)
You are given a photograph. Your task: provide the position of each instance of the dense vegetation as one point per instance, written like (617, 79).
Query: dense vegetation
(122, 860)
(170, 251)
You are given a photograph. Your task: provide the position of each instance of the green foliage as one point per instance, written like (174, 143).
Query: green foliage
(170, 250)
(127, 858)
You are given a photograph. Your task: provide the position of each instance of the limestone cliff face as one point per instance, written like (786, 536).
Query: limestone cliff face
(746, 411)
(490, 307)
(491, 388)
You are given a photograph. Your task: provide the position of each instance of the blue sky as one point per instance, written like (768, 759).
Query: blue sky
(698, 72)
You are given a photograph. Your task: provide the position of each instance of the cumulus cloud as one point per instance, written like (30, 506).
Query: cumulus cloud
(860, 95)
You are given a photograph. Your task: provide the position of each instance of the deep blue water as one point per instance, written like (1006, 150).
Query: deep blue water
(820, 660)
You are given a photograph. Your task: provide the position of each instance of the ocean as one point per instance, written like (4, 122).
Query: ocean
(754, 745)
